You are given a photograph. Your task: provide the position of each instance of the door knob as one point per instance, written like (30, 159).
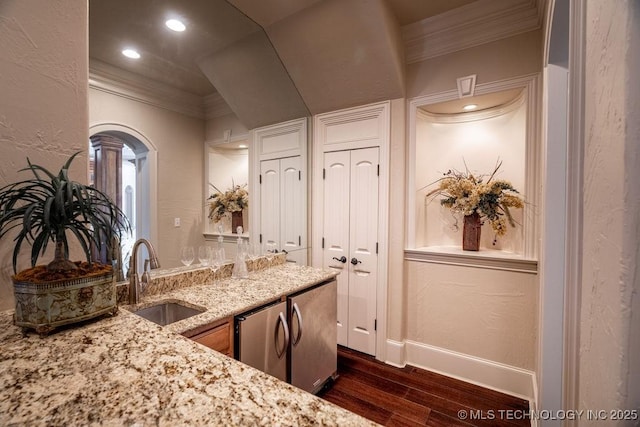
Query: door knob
(342, 259)
(355, 261)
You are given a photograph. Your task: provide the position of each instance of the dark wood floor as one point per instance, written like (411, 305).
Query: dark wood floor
(414, 397)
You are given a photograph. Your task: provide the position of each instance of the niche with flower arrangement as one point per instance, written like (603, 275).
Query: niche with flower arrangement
(470, 181)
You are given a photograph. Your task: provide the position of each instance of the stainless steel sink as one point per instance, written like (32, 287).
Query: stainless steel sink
(167, 312)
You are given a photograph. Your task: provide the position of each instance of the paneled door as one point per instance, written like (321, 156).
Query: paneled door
(282, 218)
(350, 241)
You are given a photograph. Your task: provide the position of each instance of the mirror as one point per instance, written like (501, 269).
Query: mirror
(227, 165)
(221, 51)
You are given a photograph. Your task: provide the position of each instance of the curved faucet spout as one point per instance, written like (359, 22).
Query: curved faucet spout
(134, 280)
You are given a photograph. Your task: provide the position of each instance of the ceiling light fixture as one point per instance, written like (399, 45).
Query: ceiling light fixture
(131, 53)
(175, 25)
(470, 107)
(242, 146)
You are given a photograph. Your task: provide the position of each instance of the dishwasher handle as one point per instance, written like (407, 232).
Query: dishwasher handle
(298, 314)
(281, 320)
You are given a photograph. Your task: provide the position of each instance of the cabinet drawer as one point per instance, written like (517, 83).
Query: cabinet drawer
(218, 338)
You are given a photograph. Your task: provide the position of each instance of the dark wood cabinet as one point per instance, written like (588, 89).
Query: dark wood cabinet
(217, 336)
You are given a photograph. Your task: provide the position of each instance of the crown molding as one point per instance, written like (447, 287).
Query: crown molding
(477, 23)
(116, 81)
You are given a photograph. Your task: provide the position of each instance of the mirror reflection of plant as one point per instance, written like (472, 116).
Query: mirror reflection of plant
(46, 206)
(466, 193)
(235, 199)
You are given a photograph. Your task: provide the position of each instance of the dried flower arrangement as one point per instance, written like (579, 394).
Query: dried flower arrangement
(235, 199)
(466, 193)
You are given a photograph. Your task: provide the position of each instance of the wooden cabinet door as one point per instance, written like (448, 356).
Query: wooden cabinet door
(218, 338)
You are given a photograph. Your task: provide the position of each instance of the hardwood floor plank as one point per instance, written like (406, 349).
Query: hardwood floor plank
(357, 406)
(475, 396)
(453, 408)
(382, 383)
(380, 398)
(437, 419)
(412, 396)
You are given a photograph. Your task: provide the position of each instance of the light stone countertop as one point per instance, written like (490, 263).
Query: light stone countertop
(124, 370)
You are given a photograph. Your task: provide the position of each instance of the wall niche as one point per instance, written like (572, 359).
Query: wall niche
(444, 137)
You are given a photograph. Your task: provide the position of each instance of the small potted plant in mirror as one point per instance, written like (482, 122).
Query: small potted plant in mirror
(46, 208)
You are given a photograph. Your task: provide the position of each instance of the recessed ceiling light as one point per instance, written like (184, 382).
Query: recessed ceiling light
(175, 25)
(469, 107)
(131, 53)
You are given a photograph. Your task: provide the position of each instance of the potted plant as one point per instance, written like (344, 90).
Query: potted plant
(44, 209)
(232, 201)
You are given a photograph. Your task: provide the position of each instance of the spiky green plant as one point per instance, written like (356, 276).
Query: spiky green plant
(46, 206)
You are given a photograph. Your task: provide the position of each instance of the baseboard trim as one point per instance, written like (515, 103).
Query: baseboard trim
(395, 354)
(486, 373)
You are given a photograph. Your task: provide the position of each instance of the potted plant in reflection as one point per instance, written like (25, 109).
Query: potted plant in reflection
(478, 198)
(50, 208)
(233, 202)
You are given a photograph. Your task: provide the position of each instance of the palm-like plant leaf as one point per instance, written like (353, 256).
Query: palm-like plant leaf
(43, 208)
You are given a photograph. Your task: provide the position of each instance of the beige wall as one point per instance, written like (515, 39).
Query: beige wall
(43, 106)
(609, 336)
(516, 56)
(179, 142)
(491, 314)
(396, 292)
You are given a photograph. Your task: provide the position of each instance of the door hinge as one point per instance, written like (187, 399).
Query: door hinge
(324, 173)
(260, 176)
(376, 247)
(299, 240)
(299, 175)
(260, 237)
(378, 169)
(323, 243)
(375, 324)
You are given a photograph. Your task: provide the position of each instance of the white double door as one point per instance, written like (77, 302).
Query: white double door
(283, 206)
(350, 241)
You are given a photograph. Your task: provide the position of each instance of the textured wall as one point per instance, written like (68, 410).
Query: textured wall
(43, 106)
(609, 368)
(490, 314)
(179, 141)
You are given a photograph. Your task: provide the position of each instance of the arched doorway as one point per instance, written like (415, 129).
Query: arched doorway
(139, 173)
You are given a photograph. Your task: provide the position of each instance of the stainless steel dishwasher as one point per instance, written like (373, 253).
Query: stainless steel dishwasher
(296, 340)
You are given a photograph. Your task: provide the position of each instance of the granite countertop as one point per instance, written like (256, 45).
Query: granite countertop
(124, 370)
(228, 297)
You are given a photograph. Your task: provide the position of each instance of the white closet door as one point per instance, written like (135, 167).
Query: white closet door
(363, 257)
(292, 214)
(270, 201)
(337, 167)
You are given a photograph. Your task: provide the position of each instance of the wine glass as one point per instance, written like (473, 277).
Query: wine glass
(216, 261)
(204, 255)
(187, 255)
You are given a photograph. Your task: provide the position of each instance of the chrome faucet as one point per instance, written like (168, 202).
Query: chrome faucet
(134, 280)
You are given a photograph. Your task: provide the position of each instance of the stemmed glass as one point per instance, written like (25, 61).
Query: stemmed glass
(187, 255)
(216, 260)
(204, 255)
